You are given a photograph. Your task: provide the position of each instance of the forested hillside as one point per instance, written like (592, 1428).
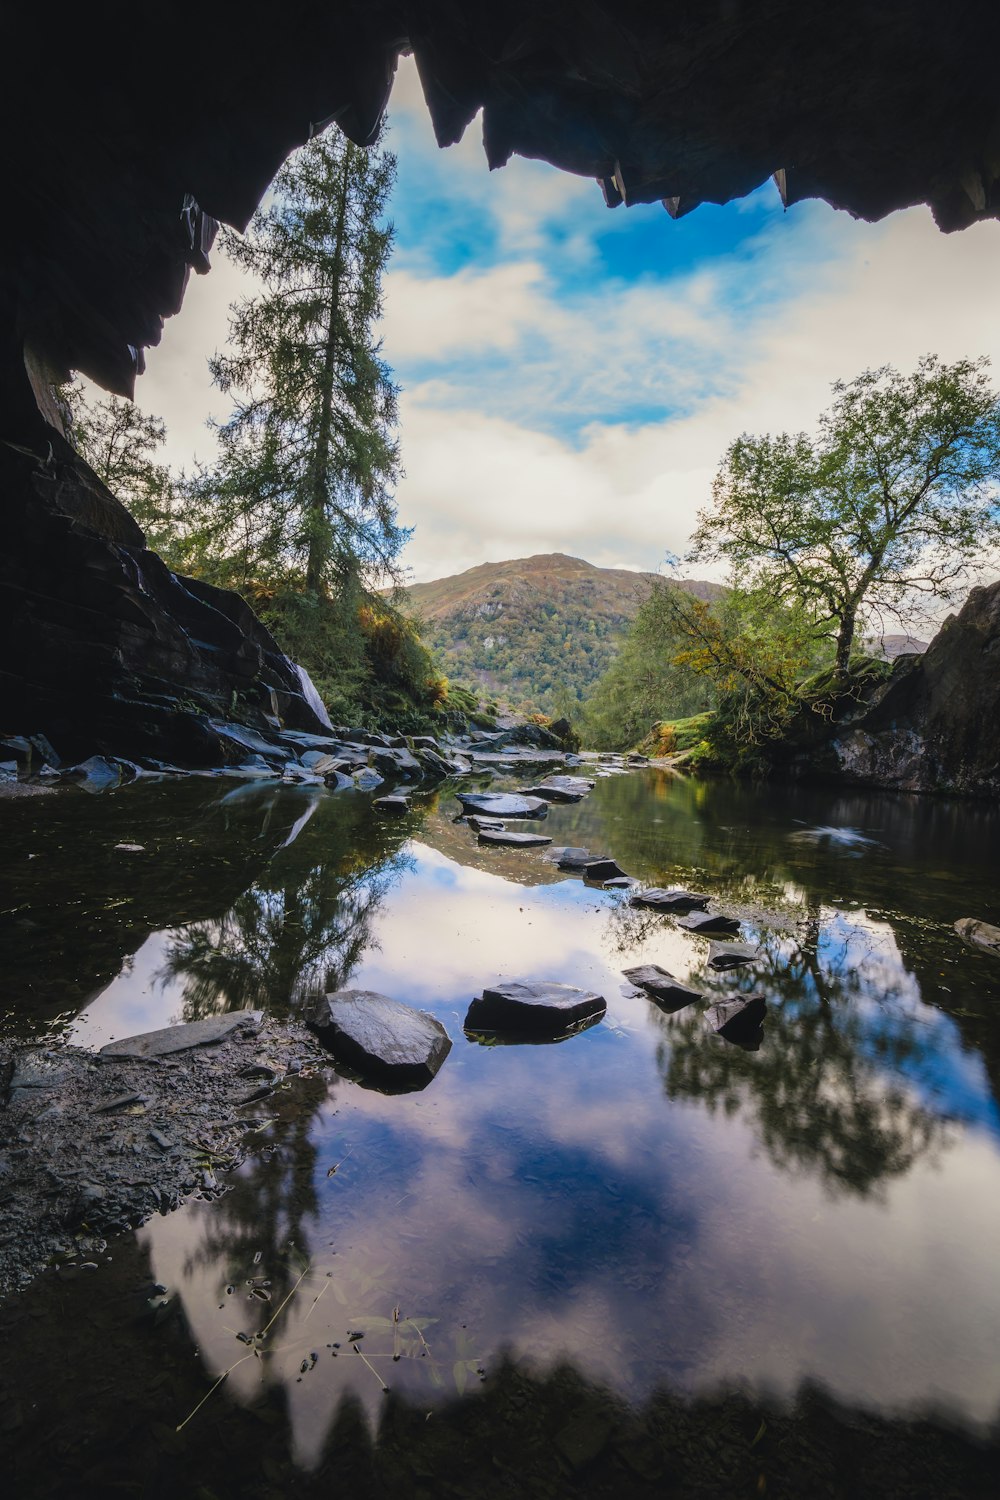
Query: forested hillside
(538, 631)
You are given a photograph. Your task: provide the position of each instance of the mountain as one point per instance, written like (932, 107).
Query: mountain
(538, 631)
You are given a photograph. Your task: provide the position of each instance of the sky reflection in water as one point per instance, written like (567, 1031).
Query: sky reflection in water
(644, 1199)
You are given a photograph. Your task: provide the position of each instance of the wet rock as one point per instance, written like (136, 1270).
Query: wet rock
(739, 1019)
(179, 1038)
(669, 993)
(510, 840)
(673, 899)
(561, 789)
(568, 857)
(503, 804)
(438, 765)
(488, 825)
(366, 780)
(395, 762)
(980, 934)
(532, 1008)
(619, 883)
(602, 870)
(710, 921)
(382, 1038)
(394, 804)
(731, 955)
(337, 781)
(95, 774)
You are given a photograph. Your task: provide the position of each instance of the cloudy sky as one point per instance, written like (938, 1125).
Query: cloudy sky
(572, 374)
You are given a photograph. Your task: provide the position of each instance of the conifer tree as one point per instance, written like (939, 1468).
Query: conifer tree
(302, 491)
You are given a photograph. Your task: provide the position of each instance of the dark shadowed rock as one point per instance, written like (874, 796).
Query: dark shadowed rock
(669, 993)
(710, 921)
(731, 955)
(568, 857)
(562, 789)
(383, 1039)
(507, 839)
(486, 825)
(739, 1020)
(539, 1008)
(602, 870)
(179, 1038)
(503, 804)
(392, 804)
(675, 899)
(980, 934)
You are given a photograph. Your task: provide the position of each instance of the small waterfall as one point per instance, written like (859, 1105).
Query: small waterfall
(311, 696)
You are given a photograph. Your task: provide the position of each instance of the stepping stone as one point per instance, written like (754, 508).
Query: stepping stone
(392, 804)
(619, 883)
(503, 805)
(487, 825)
(508, 840)
(710, 921)
(602, 870)
(739, 1020)
(731, 955)
(569, 858)
(980, 934)
(179, 1038)
(383, 1039)
(533, 1009)
(674, 899)
(662, 987)
(562, 789)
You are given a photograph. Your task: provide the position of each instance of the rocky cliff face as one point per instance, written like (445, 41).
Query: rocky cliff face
(107, 651)
(934, 726)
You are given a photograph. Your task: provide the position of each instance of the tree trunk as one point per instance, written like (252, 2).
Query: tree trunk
(845, 641)
(317, 557)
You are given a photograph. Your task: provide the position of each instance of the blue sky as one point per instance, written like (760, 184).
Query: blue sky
(571, 375)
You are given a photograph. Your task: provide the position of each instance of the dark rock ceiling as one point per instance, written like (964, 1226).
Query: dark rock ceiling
(130, 130)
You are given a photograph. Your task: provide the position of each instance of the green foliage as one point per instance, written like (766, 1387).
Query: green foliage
(644, 684)
(895, 497)
(301, 494)
(119, 441)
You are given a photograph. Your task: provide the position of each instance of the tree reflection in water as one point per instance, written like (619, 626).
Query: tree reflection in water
(301, 929)
(833, 1090)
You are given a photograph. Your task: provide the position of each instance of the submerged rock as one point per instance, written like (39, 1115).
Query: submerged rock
(503, 804)
(381, 1038)
(731, 955)
(661, 986)
(676, 898)
(739, 1020)
(392, 804)
(540, 1008)
(710, 921)
(179, 1038)
(506, 839)
(980, 934)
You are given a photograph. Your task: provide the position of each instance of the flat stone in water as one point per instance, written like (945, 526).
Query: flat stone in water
(503, 804)
(739, 1020)
(381, 1038)
(533, 1008)
(710, 921)
(569, 858)
(981, 934)
(661, 986)
(731, 955)
(504, 838)
(561, 789)
(602, 870)
(487, 825)
(392, 804)
(179, 1038)
(673, 899)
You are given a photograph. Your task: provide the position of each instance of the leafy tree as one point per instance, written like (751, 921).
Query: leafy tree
(302, 488)
(896, 496)
(119, 441)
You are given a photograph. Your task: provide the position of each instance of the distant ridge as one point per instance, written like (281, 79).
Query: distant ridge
(535, 630)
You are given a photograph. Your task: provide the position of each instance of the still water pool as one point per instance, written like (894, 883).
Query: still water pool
(639, 1261)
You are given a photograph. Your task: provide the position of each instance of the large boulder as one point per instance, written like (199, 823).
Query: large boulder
(387, 1042)
(739, 1020)
(521, 1007)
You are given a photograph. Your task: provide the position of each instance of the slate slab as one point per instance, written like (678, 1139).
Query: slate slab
(179, 1038)
(710, 921)
(503, 804)
(981, 934)
(392, 804)
(739, 1020)
(486, 825)
(731, 955)
(660, 985)
(383, 1039)
(602, 870)
(542, 1008)
(506, 839)
(675, 898)
(568, 857)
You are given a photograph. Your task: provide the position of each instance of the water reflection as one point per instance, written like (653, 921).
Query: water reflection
(646, 1215)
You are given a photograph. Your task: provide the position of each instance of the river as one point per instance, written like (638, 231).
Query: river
(642, 1260)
